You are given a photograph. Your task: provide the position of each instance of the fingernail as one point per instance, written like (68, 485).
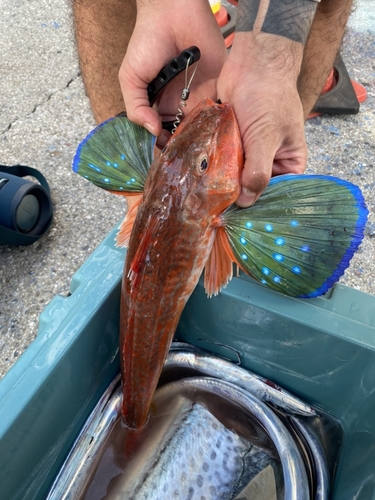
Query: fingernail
(150, 128)
(246, 198)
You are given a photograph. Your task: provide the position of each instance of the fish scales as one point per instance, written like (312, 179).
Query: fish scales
(203, 459)
(157, 312)
(194, 180)
(160, 296)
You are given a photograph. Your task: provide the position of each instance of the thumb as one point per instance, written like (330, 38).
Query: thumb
(137, 105)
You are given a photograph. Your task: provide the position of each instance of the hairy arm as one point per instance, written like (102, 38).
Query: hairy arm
(260, 79)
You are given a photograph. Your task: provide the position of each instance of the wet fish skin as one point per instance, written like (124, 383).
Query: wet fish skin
(255, 384)
(196, 177)
(198, 458)
(196, 471)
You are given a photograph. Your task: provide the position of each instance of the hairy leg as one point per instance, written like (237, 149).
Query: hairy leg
(321, 49)
(103, 29)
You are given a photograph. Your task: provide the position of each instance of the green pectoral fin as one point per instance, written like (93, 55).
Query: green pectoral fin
(300, 235)
(116, 156)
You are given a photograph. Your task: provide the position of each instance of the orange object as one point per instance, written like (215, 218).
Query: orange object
(229, 40)
(222, 17)
(331, 82)
(155, 288)
(360, 91)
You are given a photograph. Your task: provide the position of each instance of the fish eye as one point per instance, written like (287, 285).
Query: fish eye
(203, 165)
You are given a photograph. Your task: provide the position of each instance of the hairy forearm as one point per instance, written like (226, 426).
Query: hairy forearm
(287, 18)
(260, 21)
(309, 36)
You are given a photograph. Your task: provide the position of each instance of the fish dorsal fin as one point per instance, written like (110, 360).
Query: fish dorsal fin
(123, 235)
(300, 235)
(219, 267)
(116, 156)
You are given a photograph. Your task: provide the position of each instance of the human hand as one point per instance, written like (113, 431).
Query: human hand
(163, 30)
(261, 86)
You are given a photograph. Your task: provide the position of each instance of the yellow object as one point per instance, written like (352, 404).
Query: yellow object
(215, 5)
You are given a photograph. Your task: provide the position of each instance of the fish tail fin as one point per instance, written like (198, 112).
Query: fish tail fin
(219, 267)
(301, 234)
(116, 156)
(123, 235)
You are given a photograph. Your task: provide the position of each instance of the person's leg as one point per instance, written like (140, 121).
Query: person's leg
(321, 49)
(103, 29)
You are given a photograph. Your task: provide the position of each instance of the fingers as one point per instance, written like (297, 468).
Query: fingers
(270, 117)
(274, 144)
(162, 31)
(259, 79)
(256, 174)
(264, 159)
(134, 90)
(260, 147)
(163, 138)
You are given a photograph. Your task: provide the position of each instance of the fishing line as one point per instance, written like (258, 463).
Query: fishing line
(184, 95)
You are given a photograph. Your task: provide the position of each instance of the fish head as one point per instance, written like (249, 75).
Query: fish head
(205, 159)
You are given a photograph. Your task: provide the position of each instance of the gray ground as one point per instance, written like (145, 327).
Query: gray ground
(44, 114)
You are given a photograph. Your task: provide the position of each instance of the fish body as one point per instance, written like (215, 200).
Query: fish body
(188, 186)
(200, 459)
(263, 389)
(297, 239)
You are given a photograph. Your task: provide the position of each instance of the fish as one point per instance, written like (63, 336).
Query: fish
(297, 239)
(198, 457)
(183, 194)
(196, 360)
(194, 179)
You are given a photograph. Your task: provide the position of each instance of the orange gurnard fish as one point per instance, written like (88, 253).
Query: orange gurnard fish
(196, 177)
(297, 239)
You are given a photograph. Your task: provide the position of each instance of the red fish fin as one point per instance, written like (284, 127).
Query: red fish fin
(219, 268)
(122, 238)
(141, 253)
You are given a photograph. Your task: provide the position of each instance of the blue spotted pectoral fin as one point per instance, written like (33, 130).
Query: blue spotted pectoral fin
(299, 237)
(116, 156)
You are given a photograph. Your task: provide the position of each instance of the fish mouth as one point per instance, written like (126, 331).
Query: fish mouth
(206, 111)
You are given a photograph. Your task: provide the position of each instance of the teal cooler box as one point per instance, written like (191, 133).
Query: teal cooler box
(322, 350)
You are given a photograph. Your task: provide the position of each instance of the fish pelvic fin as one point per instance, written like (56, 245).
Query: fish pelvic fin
(300, 235)
(218, 270)
(123, 235)
(116, 156)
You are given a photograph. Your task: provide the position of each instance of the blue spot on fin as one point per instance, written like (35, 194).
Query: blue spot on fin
(116, 153)
(331, 215)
